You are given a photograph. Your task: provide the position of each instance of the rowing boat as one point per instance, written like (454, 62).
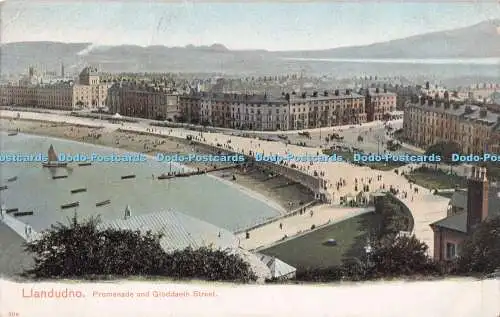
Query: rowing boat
(103, 203)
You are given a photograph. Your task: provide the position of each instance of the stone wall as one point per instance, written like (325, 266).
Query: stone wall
(311, 182)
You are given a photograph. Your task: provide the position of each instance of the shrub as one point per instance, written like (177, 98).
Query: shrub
(81, 250)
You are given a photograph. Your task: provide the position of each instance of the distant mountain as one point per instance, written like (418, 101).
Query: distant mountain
(17, 57)
(478, 41)
(214, 47)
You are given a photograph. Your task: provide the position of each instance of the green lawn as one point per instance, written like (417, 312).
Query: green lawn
(309, 251)
(446, 195)
(435, 179)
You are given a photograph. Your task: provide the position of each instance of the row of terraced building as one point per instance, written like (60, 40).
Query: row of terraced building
(474, 128)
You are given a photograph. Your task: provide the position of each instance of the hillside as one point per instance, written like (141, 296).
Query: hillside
(478, 41)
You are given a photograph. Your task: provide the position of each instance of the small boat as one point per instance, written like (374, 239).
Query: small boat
(59, 176)
(84, 164)
(10, 210)
(78, 190)
(12, 179)
(103, 203)
(52, 159)
(3, 187)
(12, 133)
(75, 204)
(128, 176)
(166, 176)
(23, 213)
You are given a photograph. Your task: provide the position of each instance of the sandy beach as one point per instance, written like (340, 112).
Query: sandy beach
(343, 180)
(278, 192)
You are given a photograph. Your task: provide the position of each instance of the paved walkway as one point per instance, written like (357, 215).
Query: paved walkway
(19, 227)
(426, 207)
(321, 215)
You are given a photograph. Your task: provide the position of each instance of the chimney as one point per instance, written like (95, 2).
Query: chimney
(477, 198)
(483, 113)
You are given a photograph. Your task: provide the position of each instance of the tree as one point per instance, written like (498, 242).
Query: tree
(481, 252)
(390, 220)
(445, 151)
(399, 256)
(81, 249)
(208, 264)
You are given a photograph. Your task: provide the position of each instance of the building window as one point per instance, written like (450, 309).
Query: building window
(451, 251)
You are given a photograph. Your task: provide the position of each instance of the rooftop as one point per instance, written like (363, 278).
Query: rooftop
(90, 71)
(330, 96)
(373, 91)
(487, 116)
(13, 258)
(180, 230)
(268, 98)
(468, 112)
(458, 222)
(277, 267)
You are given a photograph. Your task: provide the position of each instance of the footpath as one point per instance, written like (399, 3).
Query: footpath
(342, 179)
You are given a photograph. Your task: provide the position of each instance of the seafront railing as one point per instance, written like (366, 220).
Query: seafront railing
(301, 233)
(291, 213)
(19, 227)
(312, 182)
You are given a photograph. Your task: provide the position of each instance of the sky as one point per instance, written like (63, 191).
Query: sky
(260, 25)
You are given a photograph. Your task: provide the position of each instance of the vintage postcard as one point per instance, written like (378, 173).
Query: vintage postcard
(253, 158)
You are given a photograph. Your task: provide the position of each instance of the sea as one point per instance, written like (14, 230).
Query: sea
(204, 197)
(408, 67)
(424, 61)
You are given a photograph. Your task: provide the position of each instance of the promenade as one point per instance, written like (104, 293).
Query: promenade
(291, 227)
(343, 179)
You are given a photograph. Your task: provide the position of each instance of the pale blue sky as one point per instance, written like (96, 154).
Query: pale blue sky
(271, 25)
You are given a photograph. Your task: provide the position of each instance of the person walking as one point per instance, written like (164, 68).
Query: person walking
(28, 231)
